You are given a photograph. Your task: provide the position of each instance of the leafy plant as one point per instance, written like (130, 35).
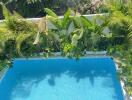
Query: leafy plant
(67, 35)
(76, 31)
(121, 46)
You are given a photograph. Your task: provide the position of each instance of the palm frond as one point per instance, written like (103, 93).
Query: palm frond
(19, 40)
(6, 12)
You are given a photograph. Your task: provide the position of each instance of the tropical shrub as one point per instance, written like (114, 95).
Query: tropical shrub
(77, 33)
(120, 25)
(72, 35)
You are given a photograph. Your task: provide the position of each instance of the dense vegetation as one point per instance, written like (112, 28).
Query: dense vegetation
(120, 25)
(72, 35)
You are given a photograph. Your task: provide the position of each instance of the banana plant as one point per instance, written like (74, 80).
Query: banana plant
(65, 28)
(76, 30)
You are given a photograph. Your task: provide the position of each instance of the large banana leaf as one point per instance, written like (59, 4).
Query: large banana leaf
(66, 20)
(77, 34)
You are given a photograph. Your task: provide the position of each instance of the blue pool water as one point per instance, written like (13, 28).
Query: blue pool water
(61, 79)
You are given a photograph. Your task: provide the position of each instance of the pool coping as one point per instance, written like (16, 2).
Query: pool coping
(3, 72)
(125, 94)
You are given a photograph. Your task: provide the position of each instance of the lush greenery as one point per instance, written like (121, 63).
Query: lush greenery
(72, 35)
(68, 35)
(120, 25)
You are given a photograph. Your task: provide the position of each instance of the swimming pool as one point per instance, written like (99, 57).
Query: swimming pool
(61, 79)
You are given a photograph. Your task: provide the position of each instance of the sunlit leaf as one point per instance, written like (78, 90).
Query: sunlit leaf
(50, 13)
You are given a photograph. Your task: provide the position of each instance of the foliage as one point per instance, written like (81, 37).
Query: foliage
(124, 60)
(13, 32)
(67, 35)
(120, 22)
(74, 31)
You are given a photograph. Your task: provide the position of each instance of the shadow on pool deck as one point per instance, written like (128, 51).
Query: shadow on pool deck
(38, 70)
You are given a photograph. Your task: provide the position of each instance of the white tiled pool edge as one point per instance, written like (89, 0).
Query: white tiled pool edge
(126, 96)
(3, 72)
